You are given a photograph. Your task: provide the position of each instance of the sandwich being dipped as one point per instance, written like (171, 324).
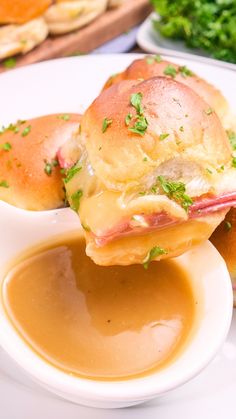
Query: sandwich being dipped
(155, 175)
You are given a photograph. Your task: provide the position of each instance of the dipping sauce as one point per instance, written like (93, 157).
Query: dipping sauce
(99, 322)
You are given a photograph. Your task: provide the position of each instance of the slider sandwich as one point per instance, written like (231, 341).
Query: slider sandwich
(155, 175)
(30, 176)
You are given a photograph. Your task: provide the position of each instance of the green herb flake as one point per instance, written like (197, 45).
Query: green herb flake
(86, 227)
(152, 254)
(4, 184)
(170, 70)
(26, 131)
(145, 159)
(176, 191)
(6, 146)
(209, 171)
(128, 118)
(181, 128)
(185, 72)
(142, 193)
(232, 138)
(209, 111)
(150, 60)
(228, 226)
(106, 123)
(48, 168)
(157, 58)
(75, 199)
(136, 102)
(234, 162)
(64, 117)
(140, 126)
(9, 63)
(70, 173)
(163, 136)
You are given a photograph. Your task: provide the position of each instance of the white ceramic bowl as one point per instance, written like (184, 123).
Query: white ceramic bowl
(212, 289)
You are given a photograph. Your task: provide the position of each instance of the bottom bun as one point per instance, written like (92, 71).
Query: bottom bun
(174, 240)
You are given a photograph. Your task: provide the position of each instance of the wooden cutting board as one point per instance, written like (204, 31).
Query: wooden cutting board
(106, 27)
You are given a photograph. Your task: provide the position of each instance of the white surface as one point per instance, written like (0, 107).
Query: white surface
(69, 85)
(152, 41)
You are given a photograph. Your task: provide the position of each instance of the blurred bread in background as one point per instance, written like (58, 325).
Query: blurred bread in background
(66, 16)
(19, 39)
(21, 11)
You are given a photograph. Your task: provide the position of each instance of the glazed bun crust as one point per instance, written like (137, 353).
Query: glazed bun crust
(23, 166)
(20, 11)
(120, 157)
(147, 68)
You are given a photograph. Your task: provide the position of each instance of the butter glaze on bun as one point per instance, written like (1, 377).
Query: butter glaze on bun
(30, 176)
(168, 188)
(153, 66)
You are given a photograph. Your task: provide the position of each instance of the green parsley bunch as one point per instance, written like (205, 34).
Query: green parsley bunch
(209, 25)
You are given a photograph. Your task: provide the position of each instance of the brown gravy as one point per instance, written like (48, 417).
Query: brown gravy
(100, 323)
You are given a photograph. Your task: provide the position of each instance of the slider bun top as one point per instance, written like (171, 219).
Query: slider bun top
(20, 11)
(181, 128)
(30, 176)
(150, 67)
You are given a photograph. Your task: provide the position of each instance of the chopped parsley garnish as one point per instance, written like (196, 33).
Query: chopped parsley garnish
(49, 166)
(9, 62)
(128, 118)
(170, 70)
(140, 125)
(228, 225)
(6, 146)
(86, 227)
(106, 123)
(145, 159)
(232, 139)
(185, 72)
(154, 252)
(209, 111)
(150, 60)
(75, 199)
(153, 58)
(4, 184)
(176, 191)
(163, 136)
(181, 128)
(26, 131)
(234, 162)
(65, 117)
(70, 173)
(209, 171)
(136, 102)
(12, 127)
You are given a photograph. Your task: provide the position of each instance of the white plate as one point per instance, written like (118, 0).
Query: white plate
(152, 41)
(69, 85)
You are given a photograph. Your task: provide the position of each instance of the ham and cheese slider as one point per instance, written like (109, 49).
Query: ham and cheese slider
(30, 175)
(153, 66)
(155, 176)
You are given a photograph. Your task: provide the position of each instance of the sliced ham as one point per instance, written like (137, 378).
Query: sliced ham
(201, 207)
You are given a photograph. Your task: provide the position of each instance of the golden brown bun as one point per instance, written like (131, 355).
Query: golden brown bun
(20, 11)
(118, 165)
(24, 159)
(224, 239)
(146, 68)
(117, 155)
